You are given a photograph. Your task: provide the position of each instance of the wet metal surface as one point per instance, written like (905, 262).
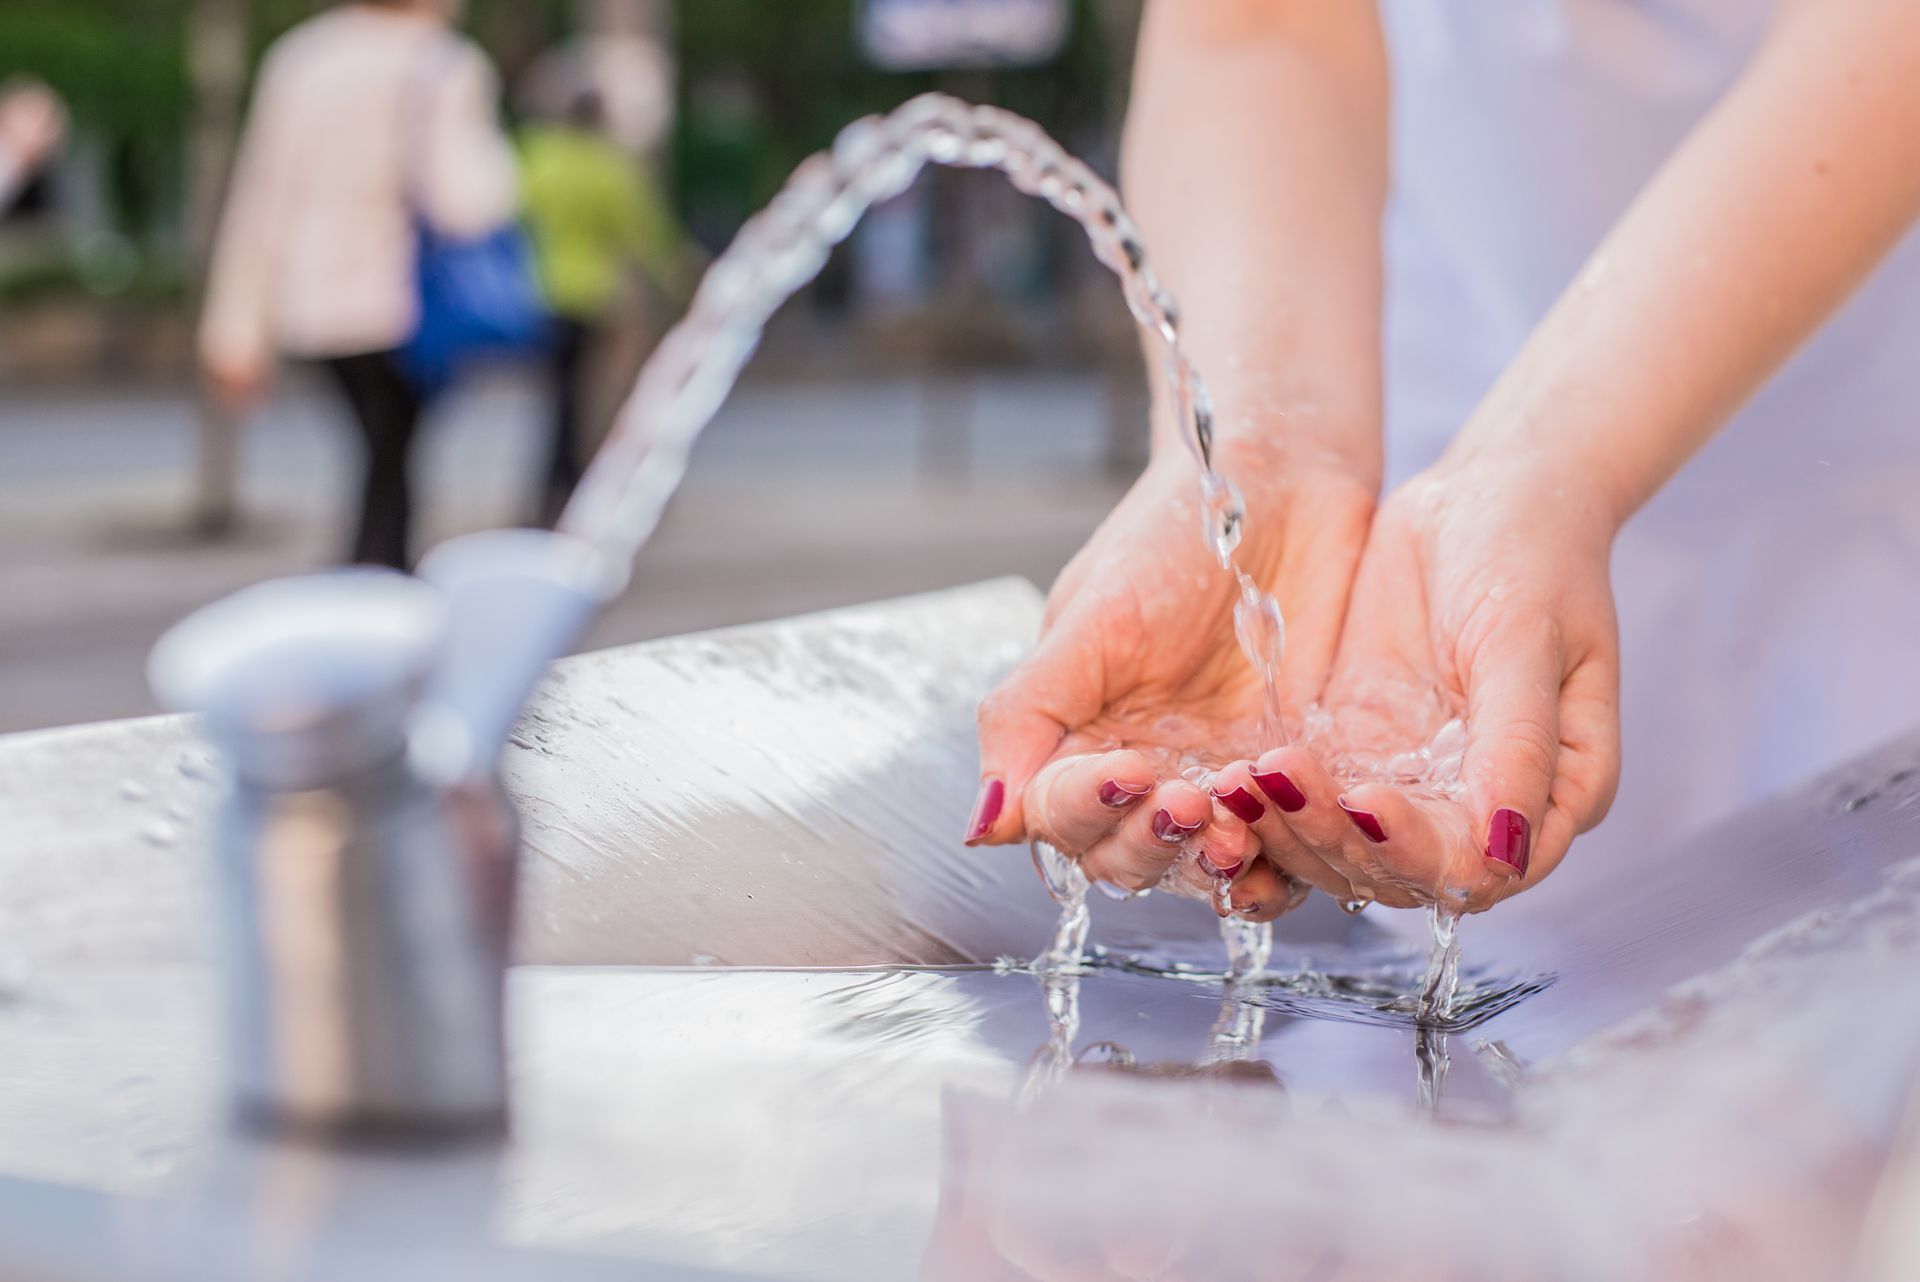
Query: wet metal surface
(1697, 1074)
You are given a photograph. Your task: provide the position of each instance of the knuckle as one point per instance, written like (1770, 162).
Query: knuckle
(996, 709)
(1526, 748)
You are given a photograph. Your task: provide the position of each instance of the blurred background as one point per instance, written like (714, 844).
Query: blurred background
(958, 396)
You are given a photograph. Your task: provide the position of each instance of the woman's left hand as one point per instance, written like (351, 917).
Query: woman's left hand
(1483, 591)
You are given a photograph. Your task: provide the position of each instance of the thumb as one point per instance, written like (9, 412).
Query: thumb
(1513, 740)
(1054, 690)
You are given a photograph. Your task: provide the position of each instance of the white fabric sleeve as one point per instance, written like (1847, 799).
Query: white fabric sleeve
(469, 182)
(236, 329)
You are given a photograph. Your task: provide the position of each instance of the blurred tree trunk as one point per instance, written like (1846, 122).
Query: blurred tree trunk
(217, 75)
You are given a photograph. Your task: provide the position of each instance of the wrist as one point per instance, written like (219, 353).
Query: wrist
(1526, 461)
(1532, 493)
(1286, 452)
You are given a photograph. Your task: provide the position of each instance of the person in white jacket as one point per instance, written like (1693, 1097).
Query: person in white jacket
(361, 117)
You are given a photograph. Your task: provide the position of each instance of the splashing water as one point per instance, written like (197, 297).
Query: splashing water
(1442, 981)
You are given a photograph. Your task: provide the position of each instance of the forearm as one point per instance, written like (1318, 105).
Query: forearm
(1256, 166)
(1763, 221)
(235, 328)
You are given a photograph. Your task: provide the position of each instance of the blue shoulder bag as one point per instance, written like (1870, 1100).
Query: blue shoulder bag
(479, 296)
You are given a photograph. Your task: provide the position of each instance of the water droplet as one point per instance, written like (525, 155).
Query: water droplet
(1449, 740)
(1105, 1055)
(1355, 906)
(1407, 767)
(160, 832)
(1060, 875)
(132, 790)
(198, 763)
(158, 1159)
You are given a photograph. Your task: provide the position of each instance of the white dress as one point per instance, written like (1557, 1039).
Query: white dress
(1769, 597)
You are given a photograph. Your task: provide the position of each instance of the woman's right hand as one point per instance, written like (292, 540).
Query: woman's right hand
(1137, 676)
(236, 386)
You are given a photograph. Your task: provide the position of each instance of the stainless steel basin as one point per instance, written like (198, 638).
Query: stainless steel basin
(753, 1029)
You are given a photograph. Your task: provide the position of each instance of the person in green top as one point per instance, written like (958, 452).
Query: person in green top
(593, 213)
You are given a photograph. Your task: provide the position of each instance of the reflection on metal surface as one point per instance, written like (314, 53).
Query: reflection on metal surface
(302, 953)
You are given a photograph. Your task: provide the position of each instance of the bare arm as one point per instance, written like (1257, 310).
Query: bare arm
(1256, 165)
(1491, 569)
(1762, 223)
(236, 336)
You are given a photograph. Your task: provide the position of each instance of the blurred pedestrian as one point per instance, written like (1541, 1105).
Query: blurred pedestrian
(595, 215)
(366, 120)
(33, 121)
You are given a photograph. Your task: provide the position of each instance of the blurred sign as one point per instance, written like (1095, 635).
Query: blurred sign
(922, 35)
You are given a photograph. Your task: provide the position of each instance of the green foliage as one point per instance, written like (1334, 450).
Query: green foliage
(118, 63)
(763, 85)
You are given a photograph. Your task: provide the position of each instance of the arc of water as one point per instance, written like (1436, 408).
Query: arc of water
(783, 247)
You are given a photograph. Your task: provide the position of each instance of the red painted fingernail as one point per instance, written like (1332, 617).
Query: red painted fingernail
(1507, 834)
(1118, 795)
(1170, 830)
(1228, 873)
(1242, 804)
(1281, 789)
(986, 809)
(1365, 820)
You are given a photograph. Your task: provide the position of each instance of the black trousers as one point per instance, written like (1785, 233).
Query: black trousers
(573, 343)
(387, 409)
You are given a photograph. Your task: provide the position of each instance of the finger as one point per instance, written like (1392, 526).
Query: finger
(1236, 789)
(1263, 892)
(1076, 802)
(1308, 799)
(1225, 844)
(1151, 837)
(1418, 848)
(1589, 765)
(1513, 736)
(1218, 852)
(1053, 690)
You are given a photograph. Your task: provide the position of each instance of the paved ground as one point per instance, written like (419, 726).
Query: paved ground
(802, 496)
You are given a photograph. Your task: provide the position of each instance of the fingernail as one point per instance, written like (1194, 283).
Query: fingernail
(1119, 795)
(1170, 830)
(1112, 891)
(1228, 873)
(1242, 803)
(1365, 820)
(1281, 789)
(1507, 834)
(986, 809)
